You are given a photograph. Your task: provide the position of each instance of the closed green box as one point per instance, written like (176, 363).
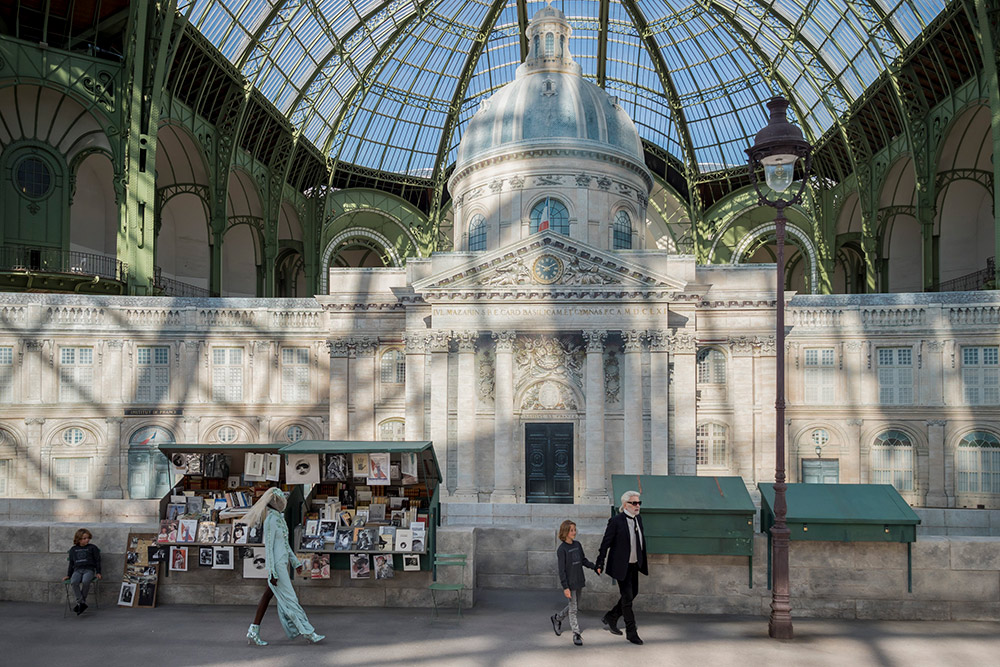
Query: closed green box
(692, 515)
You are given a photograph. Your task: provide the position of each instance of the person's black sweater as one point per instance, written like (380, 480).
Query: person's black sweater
(571, 564)
(84, 558)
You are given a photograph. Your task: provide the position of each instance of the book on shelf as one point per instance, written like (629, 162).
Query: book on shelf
(187, 530)
(404, 539)
(383, 566)
(306, 561)
(194, 505)
(386, 538)
(342, 539)
(223, 533)
(376, 512)
(360, 516)
(168, 531)
(206, 532)
(312, 542)
(327, 529)
(319, 567)
(240, 533)
(272, 467)
(360, 566)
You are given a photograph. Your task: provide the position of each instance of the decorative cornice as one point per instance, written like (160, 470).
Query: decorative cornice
(561, 153)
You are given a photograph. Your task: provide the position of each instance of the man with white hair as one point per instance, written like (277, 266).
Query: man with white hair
(624, 545)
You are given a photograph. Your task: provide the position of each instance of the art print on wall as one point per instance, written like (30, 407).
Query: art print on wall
(126, 596)
(359, 463)
(205, 558)
(187, 530)
(255, 567)
(411, 562)
(378, 469)
(223, 558)
(178, 559)
(146, 595)
(335, 469)
(383, 566)
(302, 469)
(360, 566)
(320, 566)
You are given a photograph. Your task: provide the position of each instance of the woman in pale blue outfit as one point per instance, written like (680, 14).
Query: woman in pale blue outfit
(270, 509)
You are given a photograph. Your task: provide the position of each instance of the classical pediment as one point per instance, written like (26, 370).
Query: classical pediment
(547, 263)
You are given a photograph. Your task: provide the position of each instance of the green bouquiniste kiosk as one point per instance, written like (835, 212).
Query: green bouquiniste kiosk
(682, 514)
(843, 513)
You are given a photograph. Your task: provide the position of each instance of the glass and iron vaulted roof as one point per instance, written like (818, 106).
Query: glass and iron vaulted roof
(391, 85)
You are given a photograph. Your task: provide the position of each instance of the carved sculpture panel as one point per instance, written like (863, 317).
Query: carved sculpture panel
(547, 357)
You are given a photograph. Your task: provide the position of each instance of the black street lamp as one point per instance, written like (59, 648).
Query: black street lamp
(777, 148)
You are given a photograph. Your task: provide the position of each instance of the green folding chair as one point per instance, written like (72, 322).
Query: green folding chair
(456, 561)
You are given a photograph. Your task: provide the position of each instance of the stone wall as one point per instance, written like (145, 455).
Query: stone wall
(33, 563)
(954, 578)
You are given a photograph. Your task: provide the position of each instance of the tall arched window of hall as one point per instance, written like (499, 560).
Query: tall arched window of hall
(711, 366)
(891, 460)
(391, 430)
(393, 367)
(477, 233)
(552, 214)
(977, 467)
(711, 445)
(621, 231)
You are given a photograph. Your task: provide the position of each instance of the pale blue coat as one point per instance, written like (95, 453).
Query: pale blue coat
(279, 558)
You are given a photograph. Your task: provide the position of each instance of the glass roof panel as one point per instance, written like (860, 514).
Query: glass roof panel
(374, 82)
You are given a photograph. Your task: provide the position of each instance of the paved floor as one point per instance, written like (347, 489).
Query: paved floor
(505, 628)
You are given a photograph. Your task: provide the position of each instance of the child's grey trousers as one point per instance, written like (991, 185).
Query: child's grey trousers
(570, 610)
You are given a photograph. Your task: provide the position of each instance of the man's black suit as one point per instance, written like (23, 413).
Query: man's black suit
(616, 546)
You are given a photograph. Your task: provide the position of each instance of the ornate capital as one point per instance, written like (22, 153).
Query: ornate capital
(34, 421)
(742, 344)
(192, 420)
(594, 339)
(937, 422)
(113, 420)
(855, 422)
(934, 345)
(415, 343)
(633, 340)
(853, 345)
(684, 342)
(364, 346)
(337, 347)
(659, 341)
(34, 344)
(262, 345)
(438, 341)
(114, 344)
(466, 340)
(767, 344)
(504, 340)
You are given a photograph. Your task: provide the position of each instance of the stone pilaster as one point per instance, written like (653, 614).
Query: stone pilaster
(850, 455)
(439, 342)
(659, 397)
(363, 390)
(110, 484)
(685, 417)
(416, 346)
(113, 384)
(595, 489)
(937, 491)
(503, 425)
(260, 356)
(633, 402)
(190, 427)
(28, 466)
(467, 489)
(339, 389)
(33, 367)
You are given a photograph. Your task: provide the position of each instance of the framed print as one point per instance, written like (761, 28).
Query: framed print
(302, 469)
(233, 482)
(126, 596)
(168, 531)
(157, 553)
(383, 566)
(335, 469)
(306, 560)
(272, 467)
(359, 464)
(146, 595)
(255, 567)
(404, 539)
(206, 532)
(223, 533)
(342, 540)
(178, 559)
(187, 530)
(313, 542)
(239, 535)
(223, 558)
(378, 469)
(320, 567)
(312, 527)
(205, 558)
(408, 468)
(360, 566)
(411, 562)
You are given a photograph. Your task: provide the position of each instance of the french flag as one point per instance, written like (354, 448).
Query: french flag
(544, 223)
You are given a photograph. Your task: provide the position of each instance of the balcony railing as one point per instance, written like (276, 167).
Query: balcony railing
(973, 281)
(39, 259)
(171, 287)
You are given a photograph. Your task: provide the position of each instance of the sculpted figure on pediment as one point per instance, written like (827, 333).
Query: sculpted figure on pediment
(514, 273)
(578, 274)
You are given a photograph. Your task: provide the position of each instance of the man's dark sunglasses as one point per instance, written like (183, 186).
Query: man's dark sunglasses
(633, 502)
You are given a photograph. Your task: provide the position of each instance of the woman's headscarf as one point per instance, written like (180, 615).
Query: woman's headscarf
(273, 497)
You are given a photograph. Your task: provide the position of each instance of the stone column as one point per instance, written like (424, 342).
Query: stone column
(416, 345)
(659, 396)
(264, 431)
(467, 489)
(28, 466)
(363, 388)
(110, 485)
(503, 425)
(439, 342)
(595, 490)
(685, 415)
(633, 402)
(937, 492)
(339, 389)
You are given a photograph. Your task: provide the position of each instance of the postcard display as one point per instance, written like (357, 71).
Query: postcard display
(200, 527)
(367, 512)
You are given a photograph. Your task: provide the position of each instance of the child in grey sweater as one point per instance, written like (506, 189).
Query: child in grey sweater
(571, 564)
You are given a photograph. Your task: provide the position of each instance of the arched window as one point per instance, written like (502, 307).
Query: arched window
(294, 433)
(550, 214)
(550, 44)
(538, 46)
(226, 434)
(148, 469)
(891, 460)
(73, 436)
(391, 429)
(622, 232)
(711, 366)
(978, 464)
(710, 445)
(477, 233)
(393, 367)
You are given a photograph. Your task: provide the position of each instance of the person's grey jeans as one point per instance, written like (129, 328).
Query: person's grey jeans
(570, 610)
(80, 582)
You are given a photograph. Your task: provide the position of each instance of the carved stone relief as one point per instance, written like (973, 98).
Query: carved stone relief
(546, 357)
(486, 376)
(548, 395)
(612, 378)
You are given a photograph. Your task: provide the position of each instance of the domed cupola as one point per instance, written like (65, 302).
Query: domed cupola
(550, 120)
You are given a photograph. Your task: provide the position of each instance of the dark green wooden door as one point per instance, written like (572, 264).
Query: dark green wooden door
(548, 466)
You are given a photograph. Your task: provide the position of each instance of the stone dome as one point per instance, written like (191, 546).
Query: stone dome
(549, 104)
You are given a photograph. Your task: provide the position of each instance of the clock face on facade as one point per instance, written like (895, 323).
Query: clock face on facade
(547, 269)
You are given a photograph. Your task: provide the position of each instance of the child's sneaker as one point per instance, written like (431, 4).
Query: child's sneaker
(577, 639)
(556, 625)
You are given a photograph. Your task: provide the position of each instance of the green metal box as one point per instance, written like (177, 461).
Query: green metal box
(692, 515)
(842, 513)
